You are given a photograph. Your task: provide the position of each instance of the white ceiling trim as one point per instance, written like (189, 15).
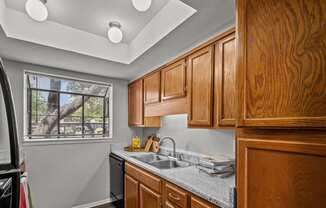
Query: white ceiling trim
(18, 25)
(170, 17)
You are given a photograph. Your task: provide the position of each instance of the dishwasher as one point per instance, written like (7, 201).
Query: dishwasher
(117, 180)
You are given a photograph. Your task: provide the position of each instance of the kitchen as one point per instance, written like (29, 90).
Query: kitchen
(219, 105)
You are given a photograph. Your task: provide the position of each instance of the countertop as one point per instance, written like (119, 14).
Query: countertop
(212, 188)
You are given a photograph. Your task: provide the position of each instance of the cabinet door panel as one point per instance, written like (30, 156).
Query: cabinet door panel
(135, 103)
(148, 198)
(152, 84)
(201, 87)
(198, 203)
(225, 93)
(281, 173)
(174, 81)
(131, 192)
(282, 63)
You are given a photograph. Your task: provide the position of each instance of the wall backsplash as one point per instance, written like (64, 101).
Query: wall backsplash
(205, 141)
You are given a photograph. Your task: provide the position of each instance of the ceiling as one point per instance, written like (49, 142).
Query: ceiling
(212, 17)
(146, 28)
(93, 15)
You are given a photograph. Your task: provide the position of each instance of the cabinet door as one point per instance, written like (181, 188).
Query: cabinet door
(131, 192)
(281, 63)
(174, 81)
(277, 173)
(152, 84)
(135, 104)
(148, 198)
(225, 85)
(198, 203)
(201, 87)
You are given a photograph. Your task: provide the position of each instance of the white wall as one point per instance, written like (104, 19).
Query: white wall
(205, 141)
(69, 173)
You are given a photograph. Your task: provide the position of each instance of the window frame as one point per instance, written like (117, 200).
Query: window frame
(82, 137)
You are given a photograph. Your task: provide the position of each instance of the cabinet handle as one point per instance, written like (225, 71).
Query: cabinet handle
(174, 197)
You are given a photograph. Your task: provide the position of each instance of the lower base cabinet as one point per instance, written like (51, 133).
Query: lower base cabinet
(145, 190)
(131, 192)
(281, 171)
(198, 203)
(148, 198)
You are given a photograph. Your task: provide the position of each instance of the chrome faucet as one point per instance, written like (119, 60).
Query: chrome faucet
(173, 142)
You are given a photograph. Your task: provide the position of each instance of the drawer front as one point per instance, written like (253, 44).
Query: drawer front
(170, 205)
(176, 195)
(143, 177)
(199, 203)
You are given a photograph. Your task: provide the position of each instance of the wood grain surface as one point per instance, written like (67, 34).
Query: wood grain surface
(281, 63)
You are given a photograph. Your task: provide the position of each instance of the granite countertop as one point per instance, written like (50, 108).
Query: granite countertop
(212, 188)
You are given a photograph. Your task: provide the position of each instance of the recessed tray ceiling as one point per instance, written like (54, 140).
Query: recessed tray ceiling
(81, 27)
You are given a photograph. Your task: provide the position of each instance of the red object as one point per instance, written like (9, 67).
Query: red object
(22, 197)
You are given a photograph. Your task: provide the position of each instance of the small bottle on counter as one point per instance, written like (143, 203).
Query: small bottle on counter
(135, 142)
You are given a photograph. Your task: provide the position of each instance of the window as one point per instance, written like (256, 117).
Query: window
(62, 108)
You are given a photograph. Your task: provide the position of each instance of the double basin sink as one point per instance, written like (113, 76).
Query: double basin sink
(161, 161)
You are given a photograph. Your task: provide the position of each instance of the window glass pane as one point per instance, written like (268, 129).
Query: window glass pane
(66, 85)
(107, 117)
(61, 108)
(44, 113)
(71, 114)
(94, 107)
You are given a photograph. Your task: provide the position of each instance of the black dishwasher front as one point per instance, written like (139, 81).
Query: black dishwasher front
(117, 180)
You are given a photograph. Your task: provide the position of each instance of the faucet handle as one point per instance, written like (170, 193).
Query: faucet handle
(179, 156)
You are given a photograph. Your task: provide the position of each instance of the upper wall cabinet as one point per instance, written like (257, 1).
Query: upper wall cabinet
(152, 88)
(174, 81)
(225, 84)
(200, 65)
(136, 107)
(135, 103)
(281, 63)
(172, 90)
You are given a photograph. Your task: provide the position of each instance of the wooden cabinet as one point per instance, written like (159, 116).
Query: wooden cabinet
(175, 197)
(135, 104)
(173, 91)
(131, 192)
(152, 89)
(146, 178)
(281, 170)
(148, 198)
(147, 185)
(174, 80)
(136, 107)
(145, 190)
(225, 82)
(281, 63)
(200, 83)
(199, 203)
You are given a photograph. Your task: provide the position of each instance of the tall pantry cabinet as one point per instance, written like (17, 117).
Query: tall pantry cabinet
(281, 118)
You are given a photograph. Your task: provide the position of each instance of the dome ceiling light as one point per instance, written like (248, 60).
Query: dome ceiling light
(142, 5)
(115, 34)
(37, 10)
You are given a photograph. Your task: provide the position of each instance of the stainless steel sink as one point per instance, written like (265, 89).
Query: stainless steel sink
(148, 158)
(161, 161)
(168, 164)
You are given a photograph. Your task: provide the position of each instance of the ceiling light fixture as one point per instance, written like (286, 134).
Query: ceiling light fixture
(142, 5)
(115, 34)
(37, 10)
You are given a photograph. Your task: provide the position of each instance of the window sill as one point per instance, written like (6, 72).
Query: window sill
(62, 141)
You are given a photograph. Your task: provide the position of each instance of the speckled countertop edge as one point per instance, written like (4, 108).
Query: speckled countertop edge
(213, 189)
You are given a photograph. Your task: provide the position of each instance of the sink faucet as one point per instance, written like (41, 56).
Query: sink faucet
(173, 142)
